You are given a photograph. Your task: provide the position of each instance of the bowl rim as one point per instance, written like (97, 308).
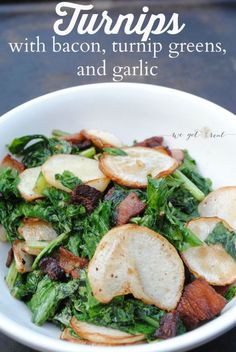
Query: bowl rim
(184, 342)
(112, 85)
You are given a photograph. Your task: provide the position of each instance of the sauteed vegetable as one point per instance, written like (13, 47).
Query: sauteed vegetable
(115, 244)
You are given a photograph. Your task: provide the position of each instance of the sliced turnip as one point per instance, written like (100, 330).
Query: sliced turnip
(27, 183)
(102, 139)
(85, 169)
(131, 170)
(210, 262)
(33, 229)
(220, 203)
(23, 260)
(103, 335)
(134, 259)
(68, 336)
(100, 183)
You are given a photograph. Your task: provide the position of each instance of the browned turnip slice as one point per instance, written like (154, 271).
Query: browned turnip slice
(9, 161)
(36, 230)
(23, 260)
(220, 203)
(131, 170)
(102, 139)
(134, 259)
(27, 183)
(210, 262)
(67, 336)
(85, 169)
(103, 335)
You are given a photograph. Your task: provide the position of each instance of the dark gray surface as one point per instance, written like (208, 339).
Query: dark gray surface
(26, 76)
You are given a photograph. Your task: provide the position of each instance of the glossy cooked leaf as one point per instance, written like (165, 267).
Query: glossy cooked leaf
(10, 218)
(166, 214)
(114, 151)
(231, 293)
(48, 295)
(124, 312)
(63, 317)
(225, 237)
(40, 148)
(189, 169)
(68, 179)
(18, 145)
(94, 227)
(26, 285)
(9, 179)
(50, 247)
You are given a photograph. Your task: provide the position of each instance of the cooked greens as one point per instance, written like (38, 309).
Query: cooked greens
(166, 214)
(124, 312)
(68, 179)
(9, 180)
(231, 293)
(225, 237)
(168, 203)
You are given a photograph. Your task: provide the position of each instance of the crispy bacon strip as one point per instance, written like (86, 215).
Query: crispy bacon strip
(70, 262)
(109, 194)
(9, 161)
(10, 257)
(168, 326)
(78, 139)
(129, 207)
(199, 302)
(52, 268)
(150, 142)
(87, 196)
(178, 155)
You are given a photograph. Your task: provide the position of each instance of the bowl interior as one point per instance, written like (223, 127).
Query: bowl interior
(131, 111)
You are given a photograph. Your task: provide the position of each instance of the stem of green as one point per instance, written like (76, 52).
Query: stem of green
(49, 248)
(150, 321)
(59, 133)
(37, 244)
(40, 184)
(189, 185)
(11, 275)
(88, 153)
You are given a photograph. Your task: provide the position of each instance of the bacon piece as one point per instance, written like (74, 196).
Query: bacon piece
(10, 257)
(168, 326)
(87, 196)
(78, 139)
(150, 142)
(75, 274)
(109, 194)
(199, 302)
(51, 267)
(70, 262)
(9, 161)
(129, 207)
(178, 155)
(221, 289)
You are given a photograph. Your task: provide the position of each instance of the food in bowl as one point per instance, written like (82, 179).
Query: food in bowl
(115, 244)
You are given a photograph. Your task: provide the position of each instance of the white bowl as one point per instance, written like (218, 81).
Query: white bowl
(131, 111)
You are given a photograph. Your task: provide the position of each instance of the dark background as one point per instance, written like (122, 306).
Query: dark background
(212, 76)
(28, 75)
